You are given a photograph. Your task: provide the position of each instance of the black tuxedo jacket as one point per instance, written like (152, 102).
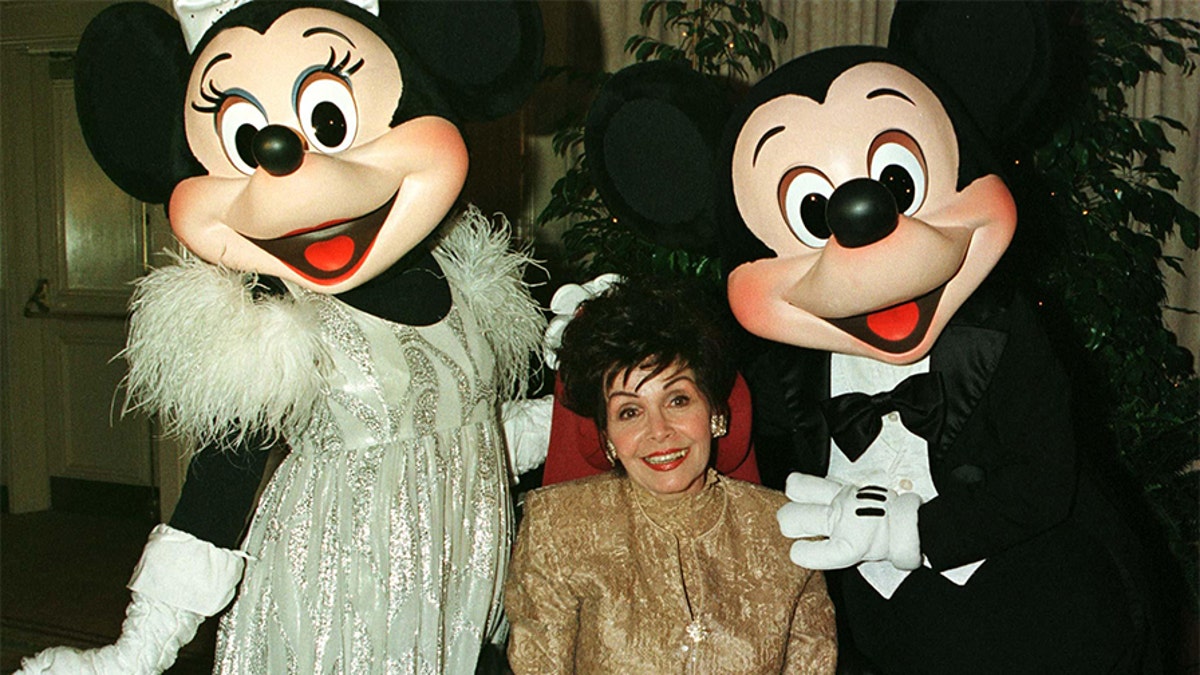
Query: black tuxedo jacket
(1064, 587)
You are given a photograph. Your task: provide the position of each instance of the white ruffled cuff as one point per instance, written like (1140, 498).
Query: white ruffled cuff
(185, 572)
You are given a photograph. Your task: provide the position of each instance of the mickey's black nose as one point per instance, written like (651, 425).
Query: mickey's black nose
(278, 149)
(861, 212)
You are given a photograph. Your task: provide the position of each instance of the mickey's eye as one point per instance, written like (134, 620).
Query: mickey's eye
(327, 112)
(803, 194)
(896, 161)
(238, 121)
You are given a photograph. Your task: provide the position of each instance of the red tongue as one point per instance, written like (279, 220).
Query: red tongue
(896, 323)
(330, 255)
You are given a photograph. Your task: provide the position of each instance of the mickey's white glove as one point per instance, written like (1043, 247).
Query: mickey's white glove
(179, 581)
(564, 304)
(858, 524)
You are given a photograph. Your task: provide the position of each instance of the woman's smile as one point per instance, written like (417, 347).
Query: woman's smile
(666, 460)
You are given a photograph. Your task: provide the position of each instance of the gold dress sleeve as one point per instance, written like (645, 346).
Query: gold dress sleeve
(812, 644)
(542, 613)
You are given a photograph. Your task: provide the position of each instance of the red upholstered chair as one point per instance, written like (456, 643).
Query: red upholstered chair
(575, 449)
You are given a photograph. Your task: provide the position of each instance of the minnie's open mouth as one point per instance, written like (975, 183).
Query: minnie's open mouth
(332, 251)
(894, 329)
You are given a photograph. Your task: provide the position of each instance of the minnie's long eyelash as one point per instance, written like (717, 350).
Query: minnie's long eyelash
(340, 69)
(216, 98)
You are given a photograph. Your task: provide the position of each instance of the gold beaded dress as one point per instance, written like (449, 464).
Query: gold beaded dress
(606, 578)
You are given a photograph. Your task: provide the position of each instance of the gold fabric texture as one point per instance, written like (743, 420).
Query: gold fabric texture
(606, 578)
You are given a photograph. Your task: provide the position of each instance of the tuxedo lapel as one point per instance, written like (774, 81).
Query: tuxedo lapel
(966, 355)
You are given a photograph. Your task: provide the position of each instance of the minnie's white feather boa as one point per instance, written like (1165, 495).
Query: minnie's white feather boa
(216, 364)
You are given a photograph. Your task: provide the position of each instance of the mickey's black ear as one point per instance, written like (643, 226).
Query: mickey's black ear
(994, 55)
(485, 54)
(129, 85)
(651, 142)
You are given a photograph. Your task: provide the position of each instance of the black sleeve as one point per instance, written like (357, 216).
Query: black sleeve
(786, 385)
(1012, 473)
(220, 491)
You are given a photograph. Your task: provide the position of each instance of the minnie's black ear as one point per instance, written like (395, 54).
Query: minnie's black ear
(129, 87)
(486, 55)
(651, 141)
(994, 55)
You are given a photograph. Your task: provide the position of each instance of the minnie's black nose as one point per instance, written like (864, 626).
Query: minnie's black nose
(860, 212)
(278, 149)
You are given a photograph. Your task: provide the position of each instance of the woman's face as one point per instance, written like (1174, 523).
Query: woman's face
(659, 427)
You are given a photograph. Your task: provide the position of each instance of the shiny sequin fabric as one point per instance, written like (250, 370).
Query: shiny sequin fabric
(606, 578)
(378, 544)
(381, 542)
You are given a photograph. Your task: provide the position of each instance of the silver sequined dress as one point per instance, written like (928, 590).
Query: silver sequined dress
(381, 543)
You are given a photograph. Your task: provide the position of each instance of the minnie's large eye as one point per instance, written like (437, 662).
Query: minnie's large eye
(238, 121)
(896, 161)
(327, 113)
(803, 194)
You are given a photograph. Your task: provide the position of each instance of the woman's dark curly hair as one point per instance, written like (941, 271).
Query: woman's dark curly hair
(648, 321)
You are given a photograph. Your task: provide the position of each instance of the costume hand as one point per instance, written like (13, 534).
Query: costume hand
(856, 524)
(178, 581)
(527, 431)
(151, 636)
(564, 304)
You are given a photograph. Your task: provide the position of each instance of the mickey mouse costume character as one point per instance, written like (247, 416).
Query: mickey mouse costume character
(861, 218)
(336, 302)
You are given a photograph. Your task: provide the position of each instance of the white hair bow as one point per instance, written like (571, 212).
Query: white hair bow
(197, 16)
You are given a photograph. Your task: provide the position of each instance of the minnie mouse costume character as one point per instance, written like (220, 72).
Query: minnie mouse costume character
(861, 218)
(336, 302)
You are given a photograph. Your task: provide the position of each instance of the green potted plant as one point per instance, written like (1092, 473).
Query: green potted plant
(1103, 203)
(718, 38)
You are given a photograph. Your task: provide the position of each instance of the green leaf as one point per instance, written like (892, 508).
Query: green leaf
(1172, 122)
(644, 51)
(1153, 134)
(708, 46)
(1174, 52)
(1130, 74)
(1189, 227)
(779, 30)
(756, 13)
(648, 9)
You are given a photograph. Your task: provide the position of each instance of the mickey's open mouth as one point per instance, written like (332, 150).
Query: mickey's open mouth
(332, 251)
(894, 329)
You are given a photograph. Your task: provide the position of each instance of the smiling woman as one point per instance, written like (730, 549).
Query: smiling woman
(648, 568)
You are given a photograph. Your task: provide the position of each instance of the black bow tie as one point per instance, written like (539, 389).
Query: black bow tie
(854, 420)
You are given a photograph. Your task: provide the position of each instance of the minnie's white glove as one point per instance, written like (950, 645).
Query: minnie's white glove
(527, 422)
(564, 304)
(857, 524)
(179, 581)
(527, 431)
